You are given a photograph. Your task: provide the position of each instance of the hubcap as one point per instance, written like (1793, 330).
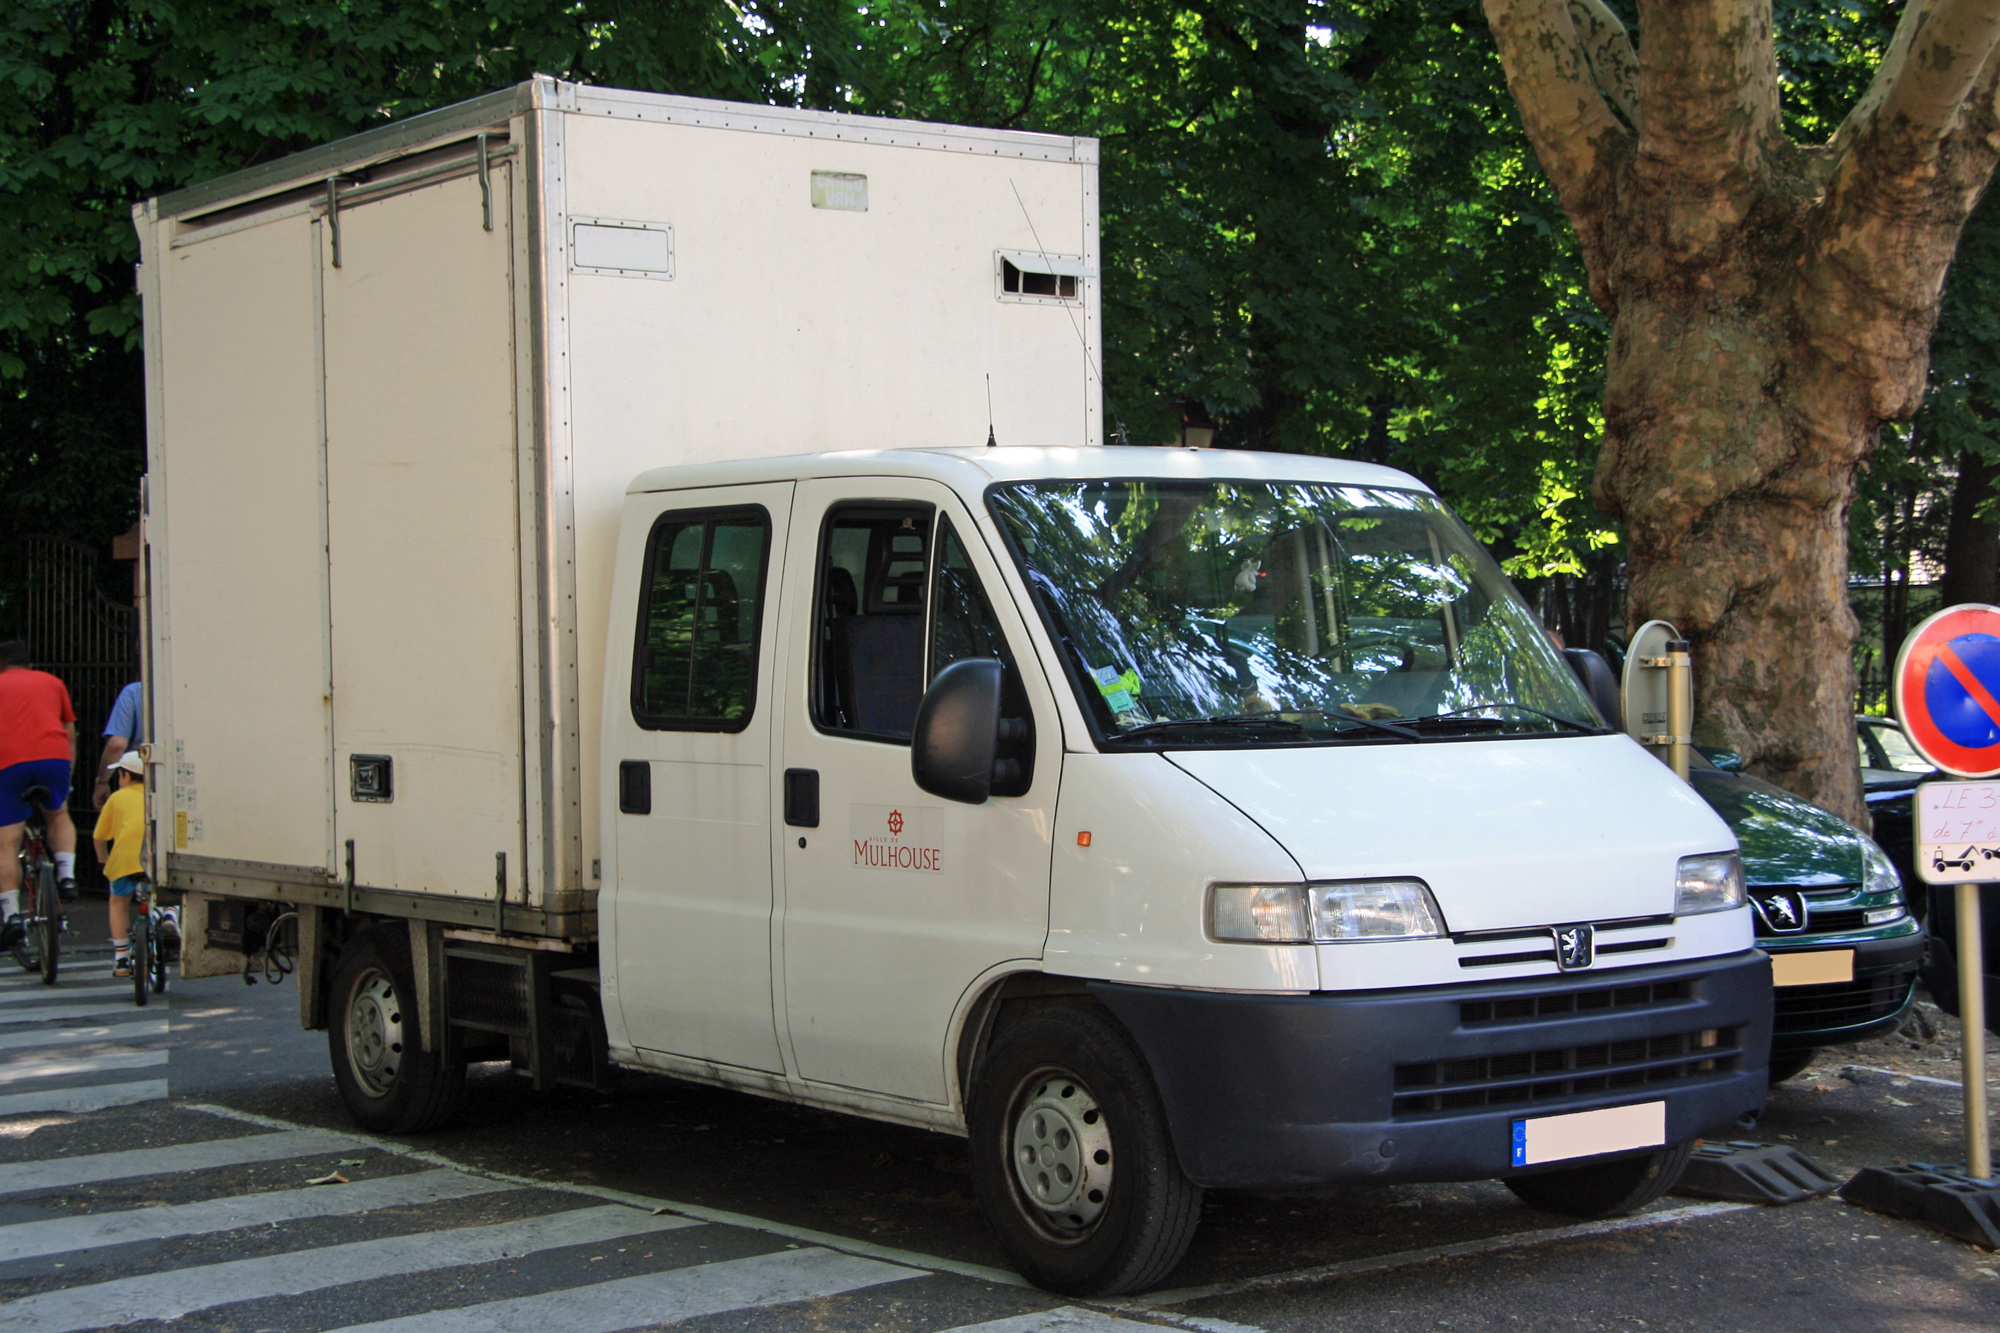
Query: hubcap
(1061, 1151)
(375, 1034)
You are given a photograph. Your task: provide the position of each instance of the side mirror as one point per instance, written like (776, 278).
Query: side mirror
(957, 734)
(1728, 761)
(1600, 683)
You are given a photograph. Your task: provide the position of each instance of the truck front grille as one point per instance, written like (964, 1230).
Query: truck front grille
(1841, 1004)
(1568, 1004)
(1436, 1087)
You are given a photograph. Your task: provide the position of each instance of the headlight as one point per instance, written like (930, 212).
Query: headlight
(1370, 909)
(1711, 883)
(1879, 876)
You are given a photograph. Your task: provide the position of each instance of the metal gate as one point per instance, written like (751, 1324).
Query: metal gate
(78, 634)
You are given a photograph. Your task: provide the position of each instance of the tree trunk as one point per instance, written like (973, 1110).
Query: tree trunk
(1972, 544)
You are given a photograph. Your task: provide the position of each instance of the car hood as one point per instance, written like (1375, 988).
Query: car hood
(1507, 833)
(1786, 839)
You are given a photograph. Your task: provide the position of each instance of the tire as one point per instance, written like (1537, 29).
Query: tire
(1605, 1189)
(28, 950)
(390, 1083)
(48, 943)
(157, 955)
(142, 958)
(1065, 1091)
(1789, 1064)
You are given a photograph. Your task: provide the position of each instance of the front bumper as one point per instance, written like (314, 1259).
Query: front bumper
(1806, 1018)
(1302, 1091)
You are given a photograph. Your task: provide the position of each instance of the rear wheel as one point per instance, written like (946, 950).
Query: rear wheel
(156, 947)
(1072, 1159)
(142, 960)
(48, 930)
(1605, 1189)
(390, 1083)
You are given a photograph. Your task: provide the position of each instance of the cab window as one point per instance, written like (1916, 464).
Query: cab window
(694, 662)
(868, 632)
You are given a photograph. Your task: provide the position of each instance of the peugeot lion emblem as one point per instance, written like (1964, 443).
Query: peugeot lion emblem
(1573, 946)
(1783, 910)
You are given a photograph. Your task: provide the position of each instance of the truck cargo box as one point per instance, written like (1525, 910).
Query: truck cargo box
(397, 386)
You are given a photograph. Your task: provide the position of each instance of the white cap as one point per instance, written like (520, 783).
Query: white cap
(131, 763)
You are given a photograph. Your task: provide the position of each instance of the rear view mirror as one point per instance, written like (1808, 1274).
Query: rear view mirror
(1726, 760)
(1600, 683)
(957, 734)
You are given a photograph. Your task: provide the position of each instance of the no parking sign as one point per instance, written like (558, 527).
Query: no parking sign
(1948, 689)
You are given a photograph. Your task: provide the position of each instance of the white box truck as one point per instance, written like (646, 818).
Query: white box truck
(598, 607)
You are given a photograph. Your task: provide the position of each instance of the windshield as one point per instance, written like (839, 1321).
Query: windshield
(1209, 612)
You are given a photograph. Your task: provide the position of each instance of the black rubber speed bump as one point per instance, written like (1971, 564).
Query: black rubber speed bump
(1951, 1201)
(1744, 1172)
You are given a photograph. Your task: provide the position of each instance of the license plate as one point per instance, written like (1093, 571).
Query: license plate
(1556, 1138)
(1819, 968)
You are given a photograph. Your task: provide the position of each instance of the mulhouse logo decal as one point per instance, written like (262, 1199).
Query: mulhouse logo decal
(894, 838)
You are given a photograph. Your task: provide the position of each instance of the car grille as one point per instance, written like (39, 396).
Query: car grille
(1567, 1004)
(1842, 1003)
(1851, 919)
(1435, 1087)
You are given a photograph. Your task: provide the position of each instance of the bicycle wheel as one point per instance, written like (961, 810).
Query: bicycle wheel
(27, 950)
(142, 956)
(48, 926)
(158, 955)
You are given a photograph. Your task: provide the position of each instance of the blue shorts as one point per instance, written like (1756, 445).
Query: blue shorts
(17, 778)
(123, 886)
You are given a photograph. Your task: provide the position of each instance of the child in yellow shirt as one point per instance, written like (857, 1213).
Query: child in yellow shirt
(120, 835)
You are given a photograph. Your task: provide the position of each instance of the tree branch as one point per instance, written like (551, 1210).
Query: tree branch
(1608, 48)
(1573, 131)
(1941, 56)
(1708, 80)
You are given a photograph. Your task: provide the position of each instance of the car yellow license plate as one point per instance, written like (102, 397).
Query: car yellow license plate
(1556, 1138)
(1818, 967)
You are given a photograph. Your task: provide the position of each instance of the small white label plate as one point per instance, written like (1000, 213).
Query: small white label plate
(1557, 1138)
(1821, 967)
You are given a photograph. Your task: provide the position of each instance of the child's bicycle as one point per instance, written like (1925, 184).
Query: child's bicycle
(40, 949)
(156, 942)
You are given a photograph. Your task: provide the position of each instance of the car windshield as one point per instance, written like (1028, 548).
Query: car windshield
(1233, 612)
(1901, 754)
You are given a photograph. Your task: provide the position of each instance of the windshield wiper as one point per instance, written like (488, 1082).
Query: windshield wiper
(1238, 720)
(1465, 715)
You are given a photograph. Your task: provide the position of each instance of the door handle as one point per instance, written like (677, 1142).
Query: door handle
(635, 787)
(802, 797)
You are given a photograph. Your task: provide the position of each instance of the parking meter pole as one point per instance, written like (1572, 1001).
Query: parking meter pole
(1680, 706)
(1972, 1017)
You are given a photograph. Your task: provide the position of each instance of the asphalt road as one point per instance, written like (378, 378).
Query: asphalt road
(538, 1211)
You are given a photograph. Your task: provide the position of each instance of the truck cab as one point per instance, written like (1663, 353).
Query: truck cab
(1161, 819)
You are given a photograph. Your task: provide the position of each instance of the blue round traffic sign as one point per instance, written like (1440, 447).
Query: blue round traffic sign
(1947, 689)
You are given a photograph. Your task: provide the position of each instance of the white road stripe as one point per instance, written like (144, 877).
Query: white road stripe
(660, 1298)
(94, 1098)
(88, 1064)
(32, 983)
(58, 1172)
(148, 1027)
(56, 1235)
(27, 1013)
(1406, 1258)
(1064, 1319)
(183, 1291)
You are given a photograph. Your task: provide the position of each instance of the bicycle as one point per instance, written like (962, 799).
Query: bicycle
(156, 941)
(40, 949)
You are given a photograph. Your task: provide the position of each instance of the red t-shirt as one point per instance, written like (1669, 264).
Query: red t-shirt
(33, 708)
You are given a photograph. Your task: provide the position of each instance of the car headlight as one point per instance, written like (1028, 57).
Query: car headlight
(1712, 883)
(1878, 875)
(1369, 909)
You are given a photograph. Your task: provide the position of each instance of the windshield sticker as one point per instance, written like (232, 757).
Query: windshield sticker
(1121, 690)
(894, 837)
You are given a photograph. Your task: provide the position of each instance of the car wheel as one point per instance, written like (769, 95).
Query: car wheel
(1605, 1189)
(390, 1083)
(1072, 1159)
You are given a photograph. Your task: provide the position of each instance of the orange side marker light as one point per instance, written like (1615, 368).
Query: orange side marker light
(1083, 839)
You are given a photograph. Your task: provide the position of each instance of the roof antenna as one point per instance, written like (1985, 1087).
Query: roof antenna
(990, 441)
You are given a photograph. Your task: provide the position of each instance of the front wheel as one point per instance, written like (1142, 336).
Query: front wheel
(1606, 1189)
(142, 957)
(48, 929)
(390, 1083)
(1072, 1159)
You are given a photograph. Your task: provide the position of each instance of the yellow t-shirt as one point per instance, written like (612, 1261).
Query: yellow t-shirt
(123, 825)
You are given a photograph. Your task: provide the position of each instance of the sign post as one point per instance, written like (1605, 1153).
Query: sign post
(1658, 692)
(1946, 689)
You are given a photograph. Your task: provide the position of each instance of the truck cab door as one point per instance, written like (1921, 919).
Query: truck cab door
(897, 902)
(689, 703)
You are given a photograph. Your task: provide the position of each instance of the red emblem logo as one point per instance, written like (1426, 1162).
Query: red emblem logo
(895, 822)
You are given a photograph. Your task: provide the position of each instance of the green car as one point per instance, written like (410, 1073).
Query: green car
(1830, 912)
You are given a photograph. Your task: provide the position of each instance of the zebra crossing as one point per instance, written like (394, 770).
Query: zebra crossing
(228, 1221)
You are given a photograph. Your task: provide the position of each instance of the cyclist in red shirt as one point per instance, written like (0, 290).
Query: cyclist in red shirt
(37, 745)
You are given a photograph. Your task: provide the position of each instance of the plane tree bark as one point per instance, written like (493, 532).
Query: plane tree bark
(1772, 304)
